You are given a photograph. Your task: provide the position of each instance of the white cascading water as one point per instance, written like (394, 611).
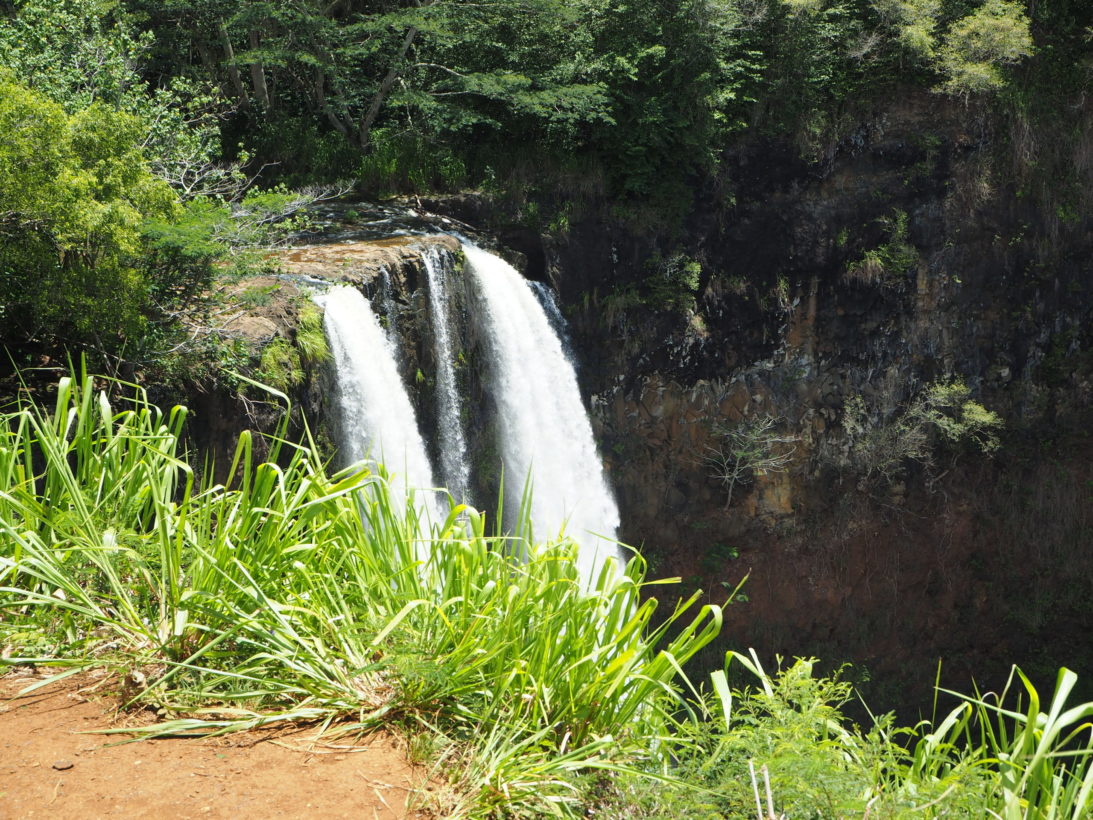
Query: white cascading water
(375, 417)
(549, 303)
(546, 435)
(453, 444)
(390, 311)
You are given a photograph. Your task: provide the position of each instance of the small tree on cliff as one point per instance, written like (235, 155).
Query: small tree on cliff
(750, 448)
(942, 415)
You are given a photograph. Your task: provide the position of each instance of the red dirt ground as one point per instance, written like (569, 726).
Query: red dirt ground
(48, 768)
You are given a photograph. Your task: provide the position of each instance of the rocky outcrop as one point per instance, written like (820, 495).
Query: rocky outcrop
(259, 310)
(365, 262)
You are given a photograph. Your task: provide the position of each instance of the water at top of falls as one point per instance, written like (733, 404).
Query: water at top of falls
(375, 417)
(546, 435)
(453, 444)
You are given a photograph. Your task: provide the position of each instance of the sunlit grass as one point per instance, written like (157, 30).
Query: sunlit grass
(292, 594)
(784, 736)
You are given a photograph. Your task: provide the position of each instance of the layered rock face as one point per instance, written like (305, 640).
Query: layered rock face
(262, 310)
(833, 295)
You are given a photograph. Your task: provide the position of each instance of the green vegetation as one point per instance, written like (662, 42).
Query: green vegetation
(74, 194)
(280, 366)
(283, 364)
(139, 130)
(438, 93)
(310, 336)
(940, 416)
(291, 595)
(782, 748)
(96, 249)
(891, 261)
(674, 283)
(977, 47)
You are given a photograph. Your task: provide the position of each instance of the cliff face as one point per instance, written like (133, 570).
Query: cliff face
(925, 246)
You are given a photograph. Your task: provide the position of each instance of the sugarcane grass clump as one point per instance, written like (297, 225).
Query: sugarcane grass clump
(291, 594)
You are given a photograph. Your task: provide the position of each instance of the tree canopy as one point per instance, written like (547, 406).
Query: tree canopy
(120, 110)
(75, 192)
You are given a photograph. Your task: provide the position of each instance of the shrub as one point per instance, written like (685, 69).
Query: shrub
(674, 284)
(941, 415)
(780, 747)
(280, 366)
(886, 263)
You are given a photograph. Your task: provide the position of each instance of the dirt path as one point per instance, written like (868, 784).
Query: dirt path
(49, 769)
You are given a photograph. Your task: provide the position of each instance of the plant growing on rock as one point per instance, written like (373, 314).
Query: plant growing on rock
(941, 415)
(752, 447)
(674, 283)
(280, 366)
(310, 337)
(889, 261)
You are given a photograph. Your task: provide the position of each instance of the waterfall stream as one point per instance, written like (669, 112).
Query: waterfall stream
(390, 310)
(543, 433)
(546, 436)
(453, 444)
(554, 315)
(375, 419)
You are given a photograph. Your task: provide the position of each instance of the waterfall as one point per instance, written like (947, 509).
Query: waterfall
(374, 416)
(546, 436)
(390, 310)
(554, 315)
(453, 444)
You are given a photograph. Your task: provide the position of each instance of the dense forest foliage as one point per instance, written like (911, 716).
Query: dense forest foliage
(135, 131)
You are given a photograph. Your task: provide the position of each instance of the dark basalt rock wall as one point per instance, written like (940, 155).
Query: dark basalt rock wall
(977, 273)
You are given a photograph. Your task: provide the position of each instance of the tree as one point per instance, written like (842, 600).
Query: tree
(914, 23)
(83, 52)
(75, 192)
(750, 448)
(977, 47)
(74, 52)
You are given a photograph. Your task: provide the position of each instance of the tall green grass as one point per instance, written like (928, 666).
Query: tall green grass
(780, 747)
(290, 594)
